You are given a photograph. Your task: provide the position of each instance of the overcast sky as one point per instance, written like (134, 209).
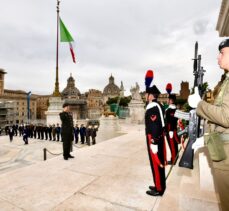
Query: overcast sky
(124, 38)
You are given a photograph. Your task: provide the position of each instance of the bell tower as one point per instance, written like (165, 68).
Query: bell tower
(2, 75)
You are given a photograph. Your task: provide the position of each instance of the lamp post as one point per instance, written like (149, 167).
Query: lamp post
(28, 106)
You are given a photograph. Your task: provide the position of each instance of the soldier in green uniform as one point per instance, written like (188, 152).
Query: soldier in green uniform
(218, 115)
(66, 131)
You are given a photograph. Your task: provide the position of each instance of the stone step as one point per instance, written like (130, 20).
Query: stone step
(190, 189)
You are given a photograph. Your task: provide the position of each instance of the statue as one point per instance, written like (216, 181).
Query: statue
(135, 92)
(136, 105)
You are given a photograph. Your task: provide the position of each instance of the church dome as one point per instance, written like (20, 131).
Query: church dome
(111, 88)
(70, 90)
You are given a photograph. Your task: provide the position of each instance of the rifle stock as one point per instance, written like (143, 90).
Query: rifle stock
(186, 160)
(192, 130)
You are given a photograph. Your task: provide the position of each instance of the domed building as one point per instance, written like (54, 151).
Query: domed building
(111, 90)
(71, 91)
(78, 102)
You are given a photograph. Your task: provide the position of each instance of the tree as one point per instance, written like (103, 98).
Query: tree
(123, 101)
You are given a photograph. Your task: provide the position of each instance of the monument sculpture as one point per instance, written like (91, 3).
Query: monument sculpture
(136, 105)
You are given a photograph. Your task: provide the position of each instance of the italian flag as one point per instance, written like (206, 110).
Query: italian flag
(65, 36)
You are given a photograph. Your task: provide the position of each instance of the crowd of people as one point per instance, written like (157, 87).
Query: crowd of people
(84, 134)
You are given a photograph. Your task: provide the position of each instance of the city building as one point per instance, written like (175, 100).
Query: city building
(94, 103)
(77, 101)
(111, 90)
(223, 19)
(184, 90)
(42, 106)
(7, 112)
(20, 99)
(37, 103)
(183, 94)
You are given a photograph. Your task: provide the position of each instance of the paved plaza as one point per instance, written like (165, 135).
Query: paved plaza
(111, 175)
(16, 154)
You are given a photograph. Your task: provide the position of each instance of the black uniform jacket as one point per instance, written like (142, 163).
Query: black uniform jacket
(154, 121)
(67, 123)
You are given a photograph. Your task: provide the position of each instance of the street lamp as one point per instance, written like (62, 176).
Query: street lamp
(28, 106)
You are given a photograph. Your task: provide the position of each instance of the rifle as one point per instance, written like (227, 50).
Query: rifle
(193, 129)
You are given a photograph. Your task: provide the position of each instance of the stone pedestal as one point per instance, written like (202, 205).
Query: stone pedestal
(55, 107)
(111, 122)
(137, 111)
(108, 128)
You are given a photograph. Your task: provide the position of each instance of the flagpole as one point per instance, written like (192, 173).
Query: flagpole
(56, 93)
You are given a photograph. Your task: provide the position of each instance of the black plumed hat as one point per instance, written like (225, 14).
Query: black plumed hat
(172, 97)
(153, 90)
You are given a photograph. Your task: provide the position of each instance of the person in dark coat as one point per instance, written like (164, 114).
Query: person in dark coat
(38, 129)
(25, 134)
(21, 128)
(154, 125)
(35, 131)
(11, 133)
(14, 130)
(58, 132)
(50, 132)
(66, 131)
(171, 128)
(31, 129)
(93, 134)
(45, 129)
(88, 134)
(76, 133)
(82, 133)
(54, 132)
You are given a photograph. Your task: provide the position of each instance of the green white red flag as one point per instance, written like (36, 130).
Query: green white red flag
(65, 36)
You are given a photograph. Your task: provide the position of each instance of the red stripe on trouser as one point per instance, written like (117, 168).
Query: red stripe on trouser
(165, 153)
(157, 173)
(149, 136)
(156, 164)
(172, 149)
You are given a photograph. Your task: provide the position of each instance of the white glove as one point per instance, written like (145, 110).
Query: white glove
(194, 99)
(198, 143)
(170, 134)
(154, 148)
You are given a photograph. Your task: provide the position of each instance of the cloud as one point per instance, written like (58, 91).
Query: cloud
(125, 38)
(200, 27)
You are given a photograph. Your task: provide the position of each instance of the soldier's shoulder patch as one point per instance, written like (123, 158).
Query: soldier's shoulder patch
(153, 117)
